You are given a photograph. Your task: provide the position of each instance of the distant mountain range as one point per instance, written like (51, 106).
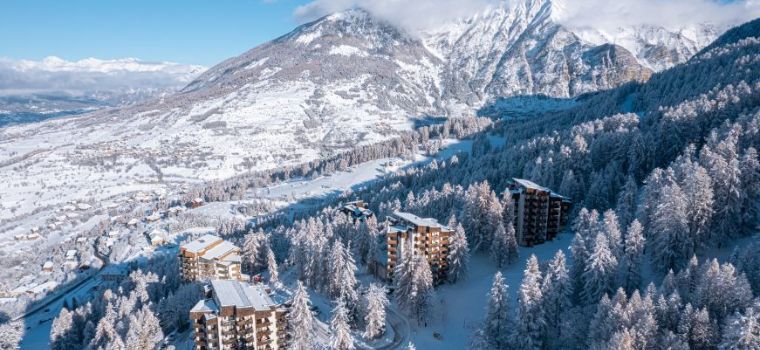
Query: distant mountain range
(54, 87)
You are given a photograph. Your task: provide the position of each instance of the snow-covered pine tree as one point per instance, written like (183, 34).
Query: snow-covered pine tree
(557, 291)
(498, 324)
(422, 279)
(721, 160)
(697, 189)
(742, 331)
(499, 246)
(512, 251)
(10, 334)
(341, 339)
(403, 276)
(376, 301)
(343, 276)
(253, 251)
(62, 332)
(274, 274)
(633, 255)
(105, 331)
(530, 323)
(459, 255)
(601, 271)
(749, 165)
(144, 331)
(300, 320)
(611, 228)
(626, 203)
(580, 255)
(672, 246)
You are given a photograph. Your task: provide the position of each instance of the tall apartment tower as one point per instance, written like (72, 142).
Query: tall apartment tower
(428, 237)
(210, 257)
(539, 213)
(238, 315)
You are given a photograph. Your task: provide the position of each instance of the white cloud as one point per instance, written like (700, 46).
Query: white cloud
(53, 75)
(601, 14)
(407, 14)
(673, 14)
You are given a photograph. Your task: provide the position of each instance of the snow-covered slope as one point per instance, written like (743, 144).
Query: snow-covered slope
(344, 80)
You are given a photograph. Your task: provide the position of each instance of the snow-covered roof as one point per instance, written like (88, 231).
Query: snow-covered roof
(530, 184)
(205, 305)
(202, 243)
(219, 250)
(71, 253)
(241, 294)
(418, 221)
(47, 265)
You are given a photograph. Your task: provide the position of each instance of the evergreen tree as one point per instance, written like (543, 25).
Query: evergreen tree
(601, 270)
(253, 251)
(343, 276)
(414, 282)
(10, 335)
(377, 301)
(300, 320)
(341, 339)
(459, 255)
(627, 201)
(62, 332)
(274, 275)
(749, 167)
(498, 324)
(611, 229)
(557, 291)
(530, 318)
(672, 244)
(499, 246)
(144, 330)
(742, 331)
(633, 256)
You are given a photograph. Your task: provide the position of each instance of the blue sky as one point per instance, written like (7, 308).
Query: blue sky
(186, 31)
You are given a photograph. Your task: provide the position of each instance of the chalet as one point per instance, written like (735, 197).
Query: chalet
(47, 266)
(357, 210)
(72, 255)
(84, 206)
(157, 237)
(539, 213)
(153, 217)
(196, 202)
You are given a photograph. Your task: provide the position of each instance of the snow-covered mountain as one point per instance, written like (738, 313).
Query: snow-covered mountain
(55, 85)
(344, 80)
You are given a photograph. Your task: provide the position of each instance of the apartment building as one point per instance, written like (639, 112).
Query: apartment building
(539, 213)
(210, 257)
(238, 315)
(428, 237)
